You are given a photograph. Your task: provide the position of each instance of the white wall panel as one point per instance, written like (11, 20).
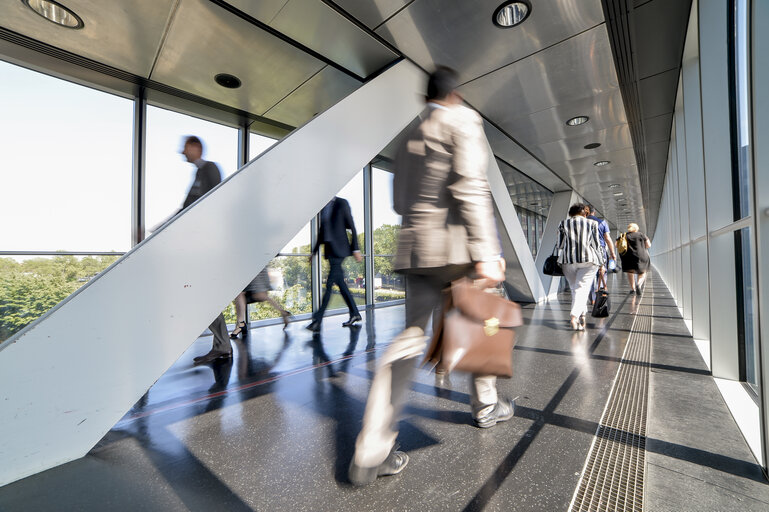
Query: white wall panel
(700, 291)
(723, 307)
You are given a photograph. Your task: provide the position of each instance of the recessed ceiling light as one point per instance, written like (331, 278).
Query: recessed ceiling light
(593, 145)
(576, 121)
(601, 163)
(227, 80)
(510, 14)
(618, 193)
(55, 13)
(614, 185)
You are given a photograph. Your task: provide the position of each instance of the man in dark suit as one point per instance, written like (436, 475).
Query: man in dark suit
(207, 177)
(335, 220)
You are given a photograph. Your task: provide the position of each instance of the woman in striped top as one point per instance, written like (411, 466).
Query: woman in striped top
(580, 256)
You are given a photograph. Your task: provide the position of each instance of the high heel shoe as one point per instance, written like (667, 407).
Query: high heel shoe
(242, 327)
(286, 319)
(582, 322)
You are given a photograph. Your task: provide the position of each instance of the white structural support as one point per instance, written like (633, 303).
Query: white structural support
(67, 378)
(521, 272)
(559, 209)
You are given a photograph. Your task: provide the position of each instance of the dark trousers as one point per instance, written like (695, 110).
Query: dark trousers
(336, 277)
(219, 329)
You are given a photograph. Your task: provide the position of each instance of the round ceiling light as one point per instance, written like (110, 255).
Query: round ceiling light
(510, 14)
(576, 121)
(601, 163)
(227, 80)
(55, 13)
(614, 185)
(593, 145)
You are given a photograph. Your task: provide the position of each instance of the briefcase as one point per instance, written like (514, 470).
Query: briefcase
(475, 333)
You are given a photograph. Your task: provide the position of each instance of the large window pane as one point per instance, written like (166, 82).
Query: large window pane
(742, 105)
(532, 202)
(169, 175)
(30, 287)
(387, 284)
(66, 165)
(257, 144)
(745, 310)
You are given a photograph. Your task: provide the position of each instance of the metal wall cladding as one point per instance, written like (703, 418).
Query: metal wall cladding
(205, 40)
(124, 35)
(317, 94)
(463, 36)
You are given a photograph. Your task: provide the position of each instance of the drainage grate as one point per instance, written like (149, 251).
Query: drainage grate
(614, 472)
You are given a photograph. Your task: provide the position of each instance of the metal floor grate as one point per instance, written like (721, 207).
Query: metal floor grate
(613, 477)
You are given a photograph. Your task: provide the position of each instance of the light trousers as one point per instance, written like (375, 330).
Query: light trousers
(396, 368)
(580, 277)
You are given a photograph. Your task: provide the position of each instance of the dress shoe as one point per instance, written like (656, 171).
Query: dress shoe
(352, 321)
(502, 411)
(393, 464)
(212, 356)
(313, 326)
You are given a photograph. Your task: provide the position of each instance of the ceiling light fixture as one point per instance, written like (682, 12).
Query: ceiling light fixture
(601, 163)
(227, 80)
(593, 145)
(576, 121)
(614, 185)
(618, 193)
(55, 13)
(510, 14)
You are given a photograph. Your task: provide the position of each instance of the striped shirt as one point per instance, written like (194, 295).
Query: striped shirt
(578, 241)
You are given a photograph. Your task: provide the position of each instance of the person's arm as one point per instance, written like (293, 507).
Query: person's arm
(647, 242)
(610, 245)
(470, 188)
(350, 224)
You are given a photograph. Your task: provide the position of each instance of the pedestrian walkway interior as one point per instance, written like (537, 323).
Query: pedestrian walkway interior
(274, 428)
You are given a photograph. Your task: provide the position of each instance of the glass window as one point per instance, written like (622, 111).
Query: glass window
(532, 203)
(67, 164)
(745, 308)
(387, 284)
(31, 286)
(168, 174)
(257, 144)
(354, 272)
(742, 106)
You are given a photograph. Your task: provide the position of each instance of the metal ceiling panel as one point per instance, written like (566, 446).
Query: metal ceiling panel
(321, 28)
(371, 12)
(577, 69)
(317, 94)
(205, 40)
(658, 93)
(463, 36)
(662, 18)
(126, 35)
(513, 154)
(611, 139)
(604, 110)
(262, 10)
(619, 159)
(657, 129)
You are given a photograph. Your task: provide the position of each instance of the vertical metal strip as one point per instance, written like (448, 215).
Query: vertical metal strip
(139, 167)
(368, 239)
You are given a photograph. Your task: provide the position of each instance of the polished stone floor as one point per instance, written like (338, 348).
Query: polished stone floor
(273, 429)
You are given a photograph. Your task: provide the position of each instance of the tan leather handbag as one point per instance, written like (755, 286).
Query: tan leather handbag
(475, 333)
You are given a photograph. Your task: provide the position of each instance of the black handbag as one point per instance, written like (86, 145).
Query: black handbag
(551, 266)
(602, 305)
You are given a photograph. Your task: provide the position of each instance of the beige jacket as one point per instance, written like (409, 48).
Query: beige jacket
(440, 189)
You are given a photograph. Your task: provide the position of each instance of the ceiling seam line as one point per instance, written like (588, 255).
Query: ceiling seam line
(394, 15)
(530, 55)
(295, 89)
(285, 3)
(163, 39)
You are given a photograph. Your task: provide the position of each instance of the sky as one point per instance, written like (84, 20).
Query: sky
(66, 175)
